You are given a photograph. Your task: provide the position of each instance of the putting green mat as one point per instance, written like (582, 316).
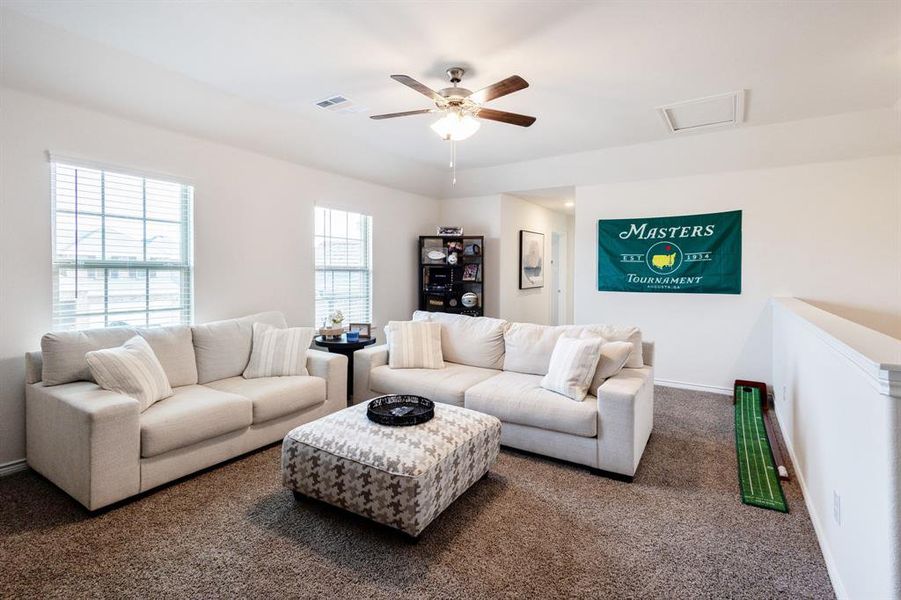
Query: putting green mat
(756, 468)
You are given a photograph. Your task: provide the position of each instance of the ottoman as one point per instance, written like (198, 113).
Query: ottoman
(402, 477)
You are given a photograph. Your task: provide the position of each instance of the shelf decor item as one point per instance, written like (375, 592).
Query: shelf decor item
(451, 274)
(531, 260)
(400, 410)
(450, 231)
(364, 330)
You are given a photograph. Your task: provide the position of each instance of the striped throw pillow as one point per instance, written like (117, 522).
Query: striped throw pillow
(414, 345)
(572, 366)
(277, 352)
(131, 369)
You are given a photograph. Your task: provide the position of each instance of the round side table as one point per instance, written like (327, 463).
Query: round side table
(342, 346)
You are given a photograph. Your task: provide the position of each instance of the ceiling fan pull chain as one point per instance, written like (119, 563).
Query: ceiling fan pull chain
(454, 162)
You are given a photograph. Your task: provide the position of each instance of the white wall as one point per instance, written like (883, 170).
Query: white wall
(253, 227)
(532, 305)
(840, 420)
(827, 233)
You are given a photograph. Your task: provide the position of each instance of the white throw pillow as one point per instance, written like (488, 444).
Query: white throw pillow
(131, 369)
(572, 366)
(277, 352)
(613, 358)
(414, 345)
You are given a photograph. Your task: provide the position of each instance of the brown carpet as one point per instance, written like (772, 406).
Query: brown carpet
(535, 528)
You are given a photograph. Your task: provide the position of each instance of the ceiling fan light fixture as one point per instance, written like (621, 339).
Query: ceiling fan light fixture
(455, 126)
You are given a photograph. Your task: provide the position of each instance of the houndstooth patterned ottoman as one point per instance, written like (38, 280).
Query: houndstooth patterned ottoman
(399, 476)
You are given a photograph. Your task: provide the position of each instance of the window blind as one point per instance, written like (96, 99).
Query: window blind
(122, 249)
(343, 242)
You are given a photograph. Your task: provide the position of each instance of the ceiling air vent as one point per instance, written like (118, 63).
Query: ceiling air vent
(341, 104)
(722, 110)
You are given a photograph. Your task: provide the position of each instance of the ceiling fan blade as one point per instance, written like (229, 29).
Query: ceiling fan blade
(403, 114)
(509, 85)
(505, 117)
(422, 89)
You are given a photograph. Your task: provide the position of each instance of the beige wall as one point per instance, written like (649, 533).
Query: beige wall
(252, 218)
(828, 233)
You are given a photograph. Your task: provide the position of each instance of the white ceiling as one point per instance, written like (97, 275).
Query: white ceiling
(559, 199)
(248, 73)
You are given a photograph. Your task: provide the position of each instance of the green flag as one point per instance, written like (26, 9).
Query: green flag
(691, 254)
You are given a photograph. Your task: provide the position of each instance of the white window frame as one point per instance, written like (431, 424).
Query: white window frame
(326, 268)
(184, 266)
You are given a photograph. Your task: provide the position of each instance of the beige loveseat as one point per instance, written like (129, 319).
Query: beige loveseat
(98, 447)
(496, 367)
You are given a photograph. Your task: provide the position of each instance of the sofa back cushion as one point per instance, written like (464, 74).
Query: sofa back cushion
(174, 348)
(473, 341)
(223, 347)
(528, 347)
(63, 352)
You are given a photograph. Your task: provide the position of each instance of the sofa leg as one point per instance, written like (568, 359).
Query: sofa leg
(612, 475)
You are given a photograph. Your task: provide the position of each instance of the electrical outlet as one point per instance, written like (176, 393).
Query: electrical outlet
(837, 508)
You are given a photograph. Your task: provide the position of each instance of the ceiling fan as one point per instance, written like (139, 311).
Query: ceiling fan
(462, 109)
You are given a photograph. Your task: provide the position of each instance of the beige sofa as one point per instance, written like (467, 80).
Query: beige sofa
(98, 447)
(496, 367)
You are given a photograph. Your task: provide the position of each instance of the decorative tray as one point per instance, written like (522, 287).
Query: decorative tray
(331, 332)
(400, 410)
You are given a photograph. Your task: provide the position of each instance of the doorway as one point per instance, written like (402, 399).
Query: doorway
(558, 279)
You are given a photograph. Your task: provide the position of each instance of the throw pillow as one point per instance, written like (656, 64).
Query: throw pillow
(276, 352)
(573, 363)
(613, 358)
(131, 369)
(414, 345)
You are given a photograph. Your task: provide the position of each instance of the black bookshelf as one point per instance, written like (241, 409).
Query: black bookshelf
(444, 281)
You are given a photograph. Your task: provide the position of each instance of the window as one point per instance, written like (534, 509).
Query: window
(343, 265)
(121, 249)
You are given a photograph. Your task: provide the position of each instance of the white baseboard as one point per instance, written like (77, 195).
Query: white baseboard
(837, 585)
(13, 467)
(697, 387)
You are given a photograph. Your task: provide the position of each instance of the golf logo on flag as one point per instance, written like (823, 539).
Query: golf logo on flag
(664, 258)
(698, 254)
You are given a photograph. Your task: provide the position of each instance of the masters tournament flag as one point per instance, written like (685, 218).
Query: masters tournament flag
(692, 254)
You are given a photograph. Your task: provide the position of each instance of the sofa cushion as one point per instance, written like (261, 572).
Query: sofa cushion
(193, 413)
(63, 352)
(572, 367)
(441, 385)
(131, 369)
(275, 397)
(223, 347)
(611, 361)
(278, 352)
(528, 346)
(473, 341)
(519, 398)
(174, 347)
(414, 345)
